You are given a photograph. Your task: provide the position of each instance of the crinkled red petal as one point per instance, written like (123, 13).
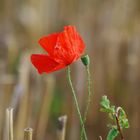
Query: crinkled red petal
(49, 42)
(70, 45)
(44, 63)
(75, 39)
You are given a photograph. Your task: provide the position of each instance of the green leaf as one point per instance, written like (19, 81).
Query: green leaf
(108, 110)
(123, 119)
(124, 123)
(105, 103)
(113, 133)
(111, 111)
(111, 126)
(111, 116)
(122, 113)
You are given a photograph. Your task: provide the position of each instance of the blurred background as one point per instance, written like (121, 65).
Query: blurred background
(111, 31)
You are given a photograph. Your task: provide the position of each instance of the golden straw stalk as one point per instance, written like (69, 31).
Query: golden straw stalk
(62, 127)
(28, 133)
(9, 123)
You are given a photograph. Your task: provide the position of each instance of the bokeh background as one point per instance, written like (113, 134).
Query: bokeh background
(111, 31)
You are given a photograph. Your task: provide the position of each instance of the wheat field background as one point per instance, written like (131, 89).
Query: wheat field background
(111, 31)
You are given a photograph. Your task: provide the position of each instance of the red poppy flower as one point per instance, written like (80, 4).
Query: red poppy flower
(63, 48)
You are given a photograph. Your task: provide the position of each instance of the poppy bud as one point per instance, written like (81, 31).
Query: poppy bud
(85, 59)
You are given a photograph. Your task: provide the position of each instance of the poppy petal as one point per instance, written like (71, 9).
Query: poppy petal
(45, 63)
(75, 39)
(49, 42)
(70, 45)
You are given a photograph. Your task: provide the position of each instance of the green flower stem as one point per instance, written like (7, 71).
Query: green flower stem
(89, 93)
(88, 98)
(76, 102)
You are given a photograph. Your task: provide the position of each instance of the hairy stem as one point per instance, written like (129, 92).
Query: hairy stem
(76, 102)
(88, 98)
(89, 93)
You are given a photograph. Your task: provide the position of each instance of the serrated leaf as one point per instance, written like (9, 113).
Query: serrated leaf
(124, 123)
(108, 110)
(111, 116)
(111, 126)
(122, 113)
(105, 103)
(112, 108)
(123, 119)
(113, 133)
